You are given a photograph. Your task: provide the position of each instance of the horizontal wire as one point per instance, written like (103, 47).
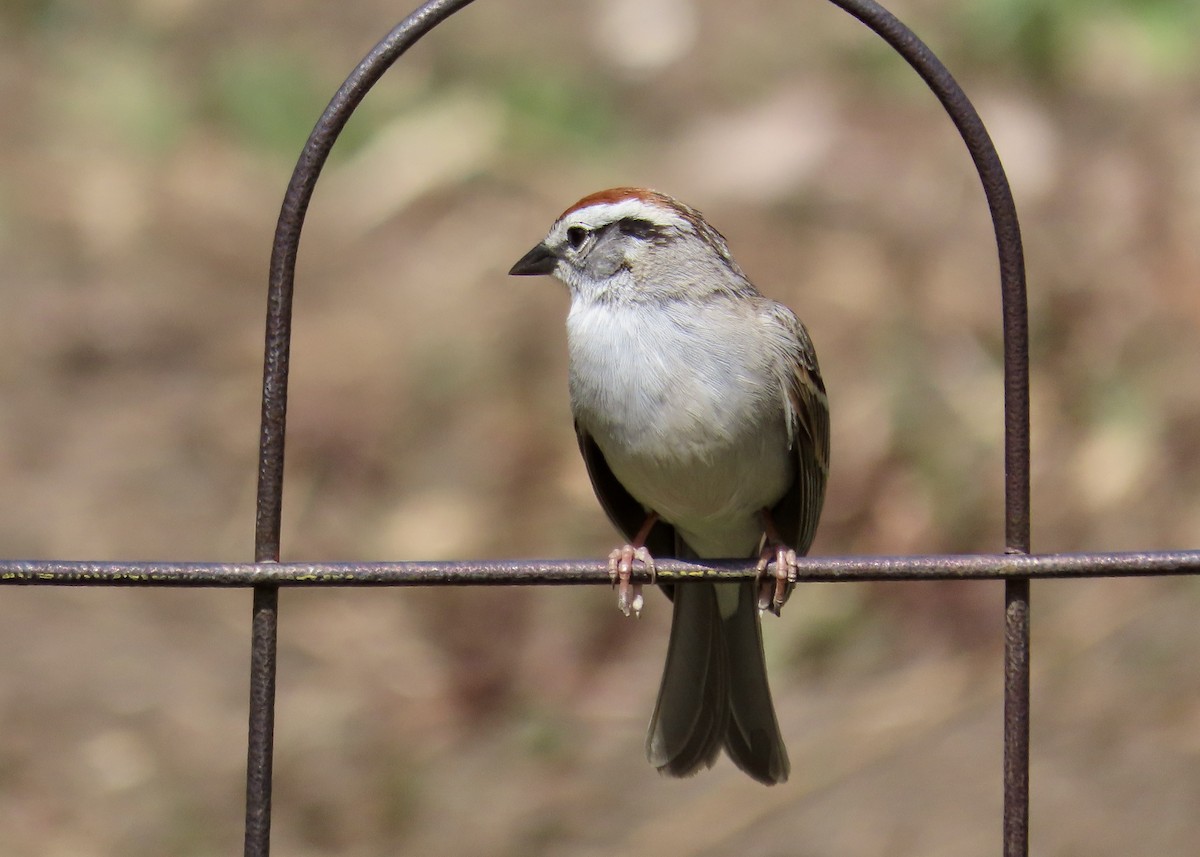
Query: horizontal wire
(535, 572)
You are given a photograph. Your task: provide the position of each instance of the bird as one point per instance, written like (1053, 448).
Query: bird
(703, 423)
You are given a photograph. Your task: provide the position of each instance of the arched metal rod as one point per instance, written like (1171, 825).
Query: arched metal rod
(275, 370)
(286, 244)
(1016, 401)
(1008, 243)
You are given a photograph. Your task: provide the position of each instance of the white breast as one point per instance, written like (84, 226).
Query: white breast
(682, 403)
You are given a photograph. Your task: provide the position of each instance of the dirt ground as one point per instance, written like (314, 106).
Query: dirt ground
(144, 150)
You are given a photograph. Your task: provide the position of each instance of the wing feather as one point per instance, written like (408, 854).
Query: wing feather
(807, 409)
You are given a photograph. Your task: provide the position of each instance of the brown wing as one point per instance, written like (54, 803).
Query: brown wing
(797, 513)
(626, 513)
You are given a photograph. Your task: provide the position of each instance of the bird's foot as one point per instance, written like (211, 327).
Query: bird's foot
(775, 585)
(620, 569)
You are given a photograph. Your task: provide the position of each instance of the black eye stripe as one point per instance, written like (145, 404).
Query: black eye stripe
(637, 228)
(634, 227)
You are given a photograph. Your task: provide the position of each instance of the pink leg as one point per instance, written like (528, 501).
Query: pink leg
(620, 569)
(773, 589)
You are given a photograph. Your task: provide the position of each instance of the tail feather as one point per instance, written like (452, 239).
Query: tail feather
(691, 716)
(752, 740)
(714, 690)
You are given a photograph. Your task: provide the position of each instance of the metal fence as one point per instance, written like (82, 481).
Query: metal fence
(1017, 567)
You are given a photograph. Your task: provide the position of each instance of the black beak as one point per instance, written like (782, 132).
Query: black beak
(539, 260)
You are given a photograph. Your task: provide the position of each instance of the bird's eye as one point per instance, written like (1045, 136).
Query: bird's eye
(576, 235)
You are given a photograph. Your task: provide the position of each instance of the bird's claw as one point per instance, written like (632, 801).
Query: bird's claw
(620, 570)
(775, 587)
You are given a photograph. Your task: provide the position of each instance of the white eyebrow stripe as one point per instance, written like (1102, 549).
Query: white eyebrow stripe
(602, 213)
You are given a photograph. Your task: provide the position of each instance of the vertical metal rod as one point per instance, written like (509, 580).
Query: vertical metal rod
(268, 515)
(260, 747)
(1016, 718)
(1016, 402)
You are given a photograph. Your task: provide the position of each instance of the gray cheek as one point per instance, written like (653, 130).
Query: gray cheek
(606, 260)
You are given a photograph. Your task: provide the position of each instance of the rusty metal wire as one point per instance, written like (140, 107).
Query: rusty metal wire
(547, 572)
(266, 575)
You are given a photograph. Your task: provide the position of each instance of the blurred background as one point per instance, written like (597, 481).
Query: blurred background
(144, 149)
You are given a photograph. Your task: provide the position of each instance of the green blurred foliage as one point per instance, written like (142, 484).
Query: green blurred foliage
(551, 110)
(1043, 38)
(267, 98)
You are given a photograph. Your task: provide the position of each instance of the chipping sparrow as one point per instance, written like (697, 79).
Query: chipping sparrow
(702, 419)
